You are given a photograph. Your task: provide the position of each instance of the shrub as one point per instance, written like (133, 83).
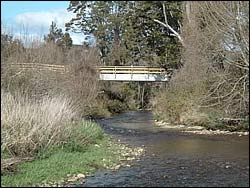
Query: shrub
(82, 134)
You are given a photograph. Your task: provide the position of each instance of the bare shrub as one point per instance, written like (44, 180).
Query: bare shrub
(224, 30)
(215, 72)
(48, 53)
(34, 83)
(81, 82)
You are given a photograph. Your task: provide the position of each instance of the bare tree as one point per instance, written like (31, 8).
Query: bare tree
(221, 35)
(174, 33)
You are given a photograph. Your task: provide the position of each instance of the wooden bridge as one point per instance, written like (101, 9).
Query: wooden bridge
(134, 73)
(109, 73)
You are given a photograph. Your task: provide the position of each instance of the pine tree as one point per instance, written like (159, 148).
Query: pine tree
(57, 37)
(9, 46)
(55, 34)
(126, 30)
(103, 19)
(148, 41)
(67, 40)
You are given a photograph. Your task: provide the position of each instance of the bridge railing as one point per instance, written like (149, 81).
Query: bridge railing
(131, 70)
(101, 69)
(37, 67)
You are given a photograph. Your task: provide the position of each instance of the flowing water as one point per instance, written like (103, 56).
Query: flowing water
(174, 158)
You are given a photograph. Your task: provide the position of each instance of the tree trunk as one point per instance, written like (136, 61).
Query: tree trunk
(116, 45)
(142, 95)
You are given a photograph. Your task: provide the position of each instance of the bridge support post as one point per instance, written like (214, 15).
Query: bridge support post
(163, 85)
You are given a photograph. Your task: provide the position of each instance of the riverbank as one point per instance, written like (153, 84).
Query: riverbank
(198, 129)
(64, 168)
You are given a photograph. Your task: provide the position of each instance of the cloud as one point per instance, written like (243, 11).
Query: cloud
(44, 18)
(38, 23)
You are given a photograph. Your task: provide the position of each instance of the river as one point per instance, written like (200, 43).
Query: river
(174, 158)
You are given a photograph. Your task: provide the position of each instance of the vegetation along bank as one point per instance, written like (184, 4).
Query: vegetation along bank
(46, 132)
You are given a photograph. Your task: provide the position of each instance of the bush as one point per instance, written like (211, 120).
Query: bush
(175, 103)
(213, 77)
(80, 83)
(116, 106)
(82, 134)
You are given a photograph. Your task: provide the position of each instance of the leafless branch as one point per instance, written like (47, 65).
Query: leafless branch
(168, 26)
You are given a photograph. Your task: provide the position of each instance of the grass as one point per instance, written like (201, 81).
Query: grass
(61, 163)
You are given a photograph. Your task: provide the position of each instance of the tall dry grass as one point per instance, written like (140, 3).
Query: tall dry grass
(27, 126)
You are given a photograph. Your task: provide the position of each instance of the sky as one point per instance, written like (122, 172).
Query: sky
(33, 18)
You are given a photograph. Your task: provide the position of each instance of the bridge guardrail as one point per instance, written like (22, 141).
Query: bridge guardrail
(102, 69)
(131, 70)
(37, 66)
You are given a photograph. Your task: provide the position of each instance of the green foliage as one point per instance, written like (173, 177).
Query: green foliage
(104, 22)
(225, 127)
(67, 40)
(146, 39)
(244, 125)
(178, 102)
(129, 94)
(57, 37)
(97, 110)
(126, 34)
(116, 106)
(126, 30)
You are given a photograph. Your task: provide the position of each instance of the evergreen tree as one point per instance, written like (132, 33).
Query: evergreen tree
(103, 19)
(56, 36)
(67, 40)
(9, 46)
(126, 30)
(148, 41)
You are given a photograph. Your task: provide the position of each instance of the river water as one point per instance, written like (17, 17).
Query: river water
(174, 158)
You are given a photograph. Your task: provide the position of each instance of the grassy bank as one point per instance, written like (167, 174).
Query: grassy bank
(62, 149)
(61, 164)
(46, 131)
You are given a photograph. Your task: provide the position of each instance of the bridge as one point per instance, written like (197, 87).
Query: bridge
(134, 73)
(109, 73)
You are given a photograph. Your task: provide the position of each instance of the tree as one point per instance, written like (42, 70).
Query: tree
(56, 36)
(67, 40)
(126, 31)
(216, 37)
(9, 46)
(105, 20)
(149, 41)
